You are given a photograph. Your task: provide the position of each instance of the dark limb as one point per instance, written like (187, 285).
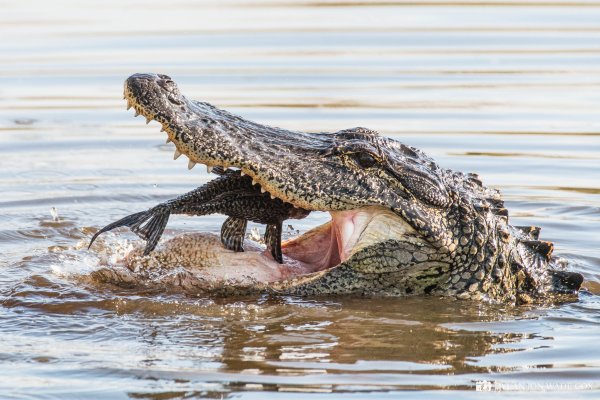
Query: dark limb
(233, 232)
(273, 241)
(150, 225)
(230, 194)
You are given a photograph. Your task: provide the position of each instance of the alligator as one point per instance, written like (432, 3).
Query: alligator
(400, 224)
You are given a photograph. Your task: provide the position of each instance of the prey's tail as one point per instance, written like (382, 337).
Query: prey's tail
(148, 225)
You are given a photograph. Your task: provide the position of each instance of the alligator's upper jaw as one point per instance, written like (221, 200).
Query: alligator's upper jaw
(283, 162)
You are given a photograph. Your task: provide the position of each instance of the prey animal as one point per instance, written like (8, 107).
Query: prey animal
(231, 194)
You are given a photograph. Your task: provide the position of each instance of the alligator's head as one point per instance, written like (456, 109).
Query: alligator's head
(400, 223)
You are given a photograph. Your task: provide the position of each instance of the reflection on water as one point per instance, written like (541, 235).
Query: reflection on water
(508, 89)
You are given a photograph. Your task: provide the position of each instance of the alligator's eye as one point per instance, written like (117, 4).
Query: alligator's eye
(166, 84)
(174, 100)
(365, 160)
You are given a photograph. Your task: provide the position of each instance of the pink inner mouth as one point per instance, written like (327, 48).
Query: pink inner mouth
(330, 244)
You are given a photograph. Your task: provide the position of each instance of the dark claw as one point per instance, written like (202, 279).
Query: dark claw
(148, 225)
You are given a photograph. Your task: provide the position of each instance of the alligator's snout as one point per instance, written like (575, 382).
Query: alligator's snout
(156, 97)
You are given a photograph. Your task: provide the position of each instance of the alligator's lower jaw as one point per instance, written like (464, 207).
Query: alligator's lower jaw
(203, 256)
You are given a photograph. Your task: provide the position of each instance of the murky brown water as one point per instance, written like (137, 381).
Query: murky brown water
(509, 89)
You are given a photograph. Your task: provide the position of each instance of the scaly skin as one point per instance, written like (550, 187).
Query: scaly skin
(445, 232)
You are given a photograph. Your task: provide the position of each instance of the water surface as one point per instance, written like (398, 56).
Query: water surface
(508, 89)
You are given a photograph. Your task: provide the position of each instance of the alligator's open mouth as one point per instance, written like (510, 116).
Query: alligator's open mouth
(321, 248)
(351, 228)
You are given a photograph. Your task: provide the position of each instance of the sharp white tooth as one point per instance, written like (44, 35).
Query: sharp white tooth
(272, 197)
(254, 182)
(191, 164)
(209, 169)
(128, 106)
(242, 173)
(148, 120)
(176, 154)
(262, 190)
(136, 114)
(168, 140)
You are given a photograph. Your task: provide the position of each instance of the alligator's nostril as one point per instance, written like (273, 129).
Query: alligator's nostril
(166, 77)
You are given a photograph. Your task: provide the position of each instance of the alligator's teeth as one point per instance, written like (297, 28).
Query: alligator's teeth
(191, 164)
(136, 113)
(168, 140)
(128, 106)
(242, 173)
(148, 120)
(272, 197)
(262, 190)
(254, 182)
(209, 169)
(176, 154)
(162, 128)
